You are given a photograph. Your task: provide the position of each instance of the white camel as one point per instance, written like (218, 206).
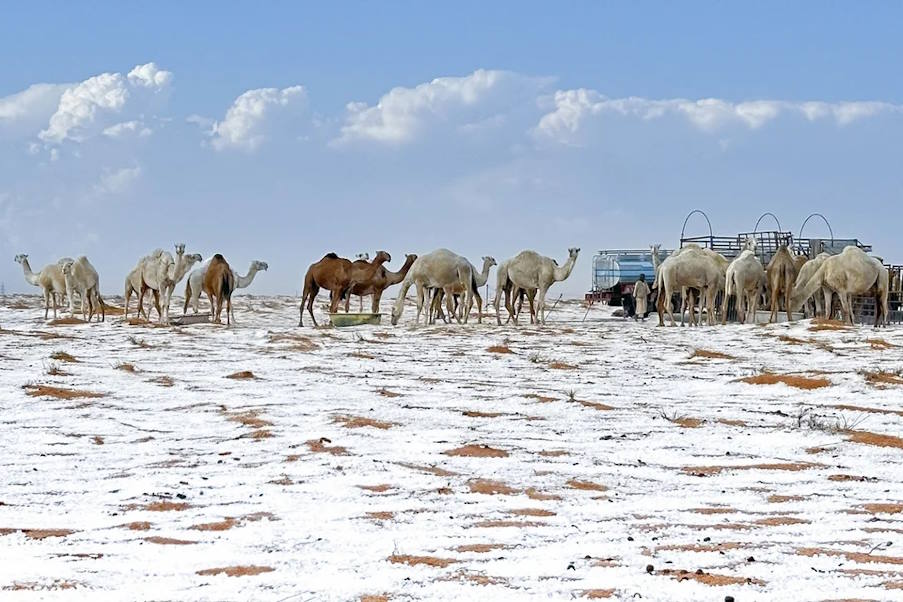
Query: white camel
(195, 282)
(439, 269)
(528, 270)
(823, 301)
(503, 285)
(81, 277)
(50, 279)
(686, 268)
(850, 273)
(745, 277)
(479, 279)
(160, 273)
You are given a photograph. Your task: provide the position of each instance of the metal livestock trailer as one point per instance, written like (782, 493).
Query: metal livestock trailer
(615, 271)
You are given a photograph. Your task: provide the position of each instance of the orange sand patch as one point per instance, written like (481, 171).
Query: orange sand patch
(867, 410)
(713, 470)
(880, 344)
(488, 487)
(62, 356)
(65, 322)
(883, 508)
(319, 446)
(717, 355)
(237, 571)
(859, 557)
(387, 393)
(297, 342)
(532, 512)
(477, 451)
(597, 594)
(713, 510)
(881, 378)
(382, 515)
(707, 547)
(867, 438)
(126, 367)
(223, 525)
(586, 485)
(480, 548)
(594, 405)
(376, 488)
(534, 494)
(499, 349)
(780, 521)
(138, 526)
(799, 382)
(165, 506)
(561, 366)
(842, 478)
(730, 422)
(250, 418)
(168, 541)
(421, 560)
(820, 324)
(58, 392)
(45, 533)
(716, 580)
(373, 598)
(688, 423)
(356, 422)
(780, 499)
(476, 414)
(243, 375)
(540, 398)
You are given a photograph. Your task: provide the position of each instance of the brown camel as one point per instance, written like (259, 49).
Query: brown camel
(332, 273)
(363, 273)
(382, 280)
(219, 282)
(781, 277)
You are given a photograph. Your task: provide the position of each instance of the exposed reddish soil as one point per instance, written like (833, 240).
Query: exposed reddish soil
(237, 571)
(477, 451)
(791, 380)
(59, 392)
(421, 560)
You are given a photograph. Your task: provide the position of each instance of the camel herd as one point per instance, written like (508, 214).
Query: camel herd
(789, 280)
(692, 271)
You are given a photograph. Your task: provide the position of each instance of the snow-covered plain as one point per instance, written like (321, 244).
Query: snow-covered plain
(599, 458)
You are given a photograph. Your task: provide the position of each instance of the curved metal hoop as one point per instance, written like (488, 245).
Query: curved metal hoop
(689, 215)
(824, 219)
(764, 215)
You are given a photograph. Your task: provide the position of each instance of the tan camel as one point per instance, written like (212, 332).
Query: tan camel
(50, 279)
(745, 277)
(686, 268)
(438, 269)
(823, 302)
(332, 273)
(479, 279)
(219, 282)
(363, 273)
(781, 277)
(850, 273)
(529, 270)
(81, 277)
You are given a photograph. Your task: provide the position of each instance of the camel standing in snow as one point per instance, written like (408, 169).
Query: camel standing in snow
(745, 277)
(503, 285)
(50, 279)
(479, 279)
(686, 268)
(439, 269)
(219, 282)
(160, 273)
(528, 270)
(195, 282)
(781, 274)
(380, 281)
(332, 273)
(823, 301)
(363, 273)
(81, 277)
(852, 272)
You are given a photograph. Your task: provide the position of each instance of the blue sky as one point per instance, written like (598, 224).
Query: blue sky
(483, 127)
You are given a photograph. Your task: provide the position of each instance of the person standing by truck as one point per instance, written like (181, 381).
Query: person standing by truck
(641, 298)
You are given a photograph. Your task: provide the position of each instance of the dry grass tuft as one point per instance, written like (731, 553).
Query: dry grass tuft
(386, 393)
(166, 506)
(319, 446)
(799, 382)
(66, 322)
(376, 488)
(54, 370)
(243, 375)
(540, 398)
(535, 494)
(880, 344)
(714, 580)
(45, 533)
(168, 541)
(488, 487)
(138, 526)
(59, 393)
(480, 548)
(586, 485)
(163, 381)
(715, 355)
(561, 366)
(820, 324)
(249, 418)
(883, 508)
(381, 515)
(780, 521)
(98, 440)
(62, 356)
(236, 571)
(532, 512)
(499, 349)
(125, 367)
(705, 471)
(477, 451)
(858, 557)
(597, 594)
(355, 422)
(421, 560)
(223, 525)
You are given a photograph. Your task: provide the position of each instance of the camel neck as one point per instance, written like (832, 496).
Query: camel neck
(246, 280)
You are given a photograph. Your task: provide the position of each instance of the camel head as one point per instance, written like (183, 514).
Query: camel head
(750, 244)
(260, 266)
(410, 258)
(66, 267)
(394, 317)
(180, 248)
(193, 258)
(382, 256)
(656, 248)
(572, 252)
(21, 258)
(490, 261)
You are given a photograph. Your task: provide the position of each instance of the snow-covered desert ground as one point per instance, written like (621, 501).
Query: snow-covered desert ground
(586, 459)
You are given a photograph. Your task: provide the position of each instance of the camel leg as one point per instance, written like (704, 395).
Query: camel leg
(774, 305)
(141, 299)
(420, 293)
(229, 310)
(541, 307)
(787, 292)
(375, 303)
(509, 303)
(479, 300)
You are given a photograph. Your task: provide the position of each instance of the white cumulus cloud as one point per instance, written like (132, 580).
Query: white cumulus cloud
(107, 93)
(247, 121)
(403, 113)
(117, 181)
(571, 109)
(128, 128)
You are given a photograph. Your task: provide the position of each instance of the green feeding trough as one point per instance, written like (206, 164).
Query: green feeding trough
(342, 320)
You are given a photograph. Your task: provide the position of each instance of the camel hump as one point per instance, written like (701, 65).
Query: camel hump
(218, 257)
(330, 256)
